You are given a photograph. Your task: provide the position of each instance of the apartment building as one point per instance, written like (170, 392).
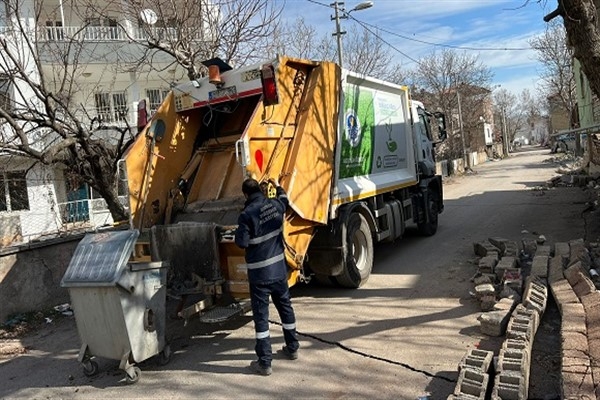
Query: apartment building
(108, 78)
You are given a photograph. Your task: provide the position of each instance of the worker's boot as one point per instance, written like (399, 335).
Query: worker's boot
(260, 369)
(292, 355)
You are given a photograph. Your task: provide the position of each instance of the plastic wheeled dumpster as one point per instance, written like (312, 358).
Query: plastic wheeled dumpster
(119, 305)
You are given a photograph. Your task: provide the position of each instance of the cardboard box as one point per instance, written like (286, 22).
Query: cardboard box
(239, 288)
(237, 269)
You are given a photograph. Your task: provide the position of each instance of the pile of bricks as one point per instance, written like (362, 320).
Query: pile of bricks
(517, 318)
(579, 305)
(566, 273)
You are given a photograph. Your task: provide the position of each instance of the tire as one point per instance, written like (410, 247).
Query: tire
(429, 227)
(358, 261)
(90, 368)
(137, 372)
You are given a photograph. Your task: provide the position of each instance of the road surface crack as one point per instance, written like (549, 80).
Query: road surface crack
(371, 356)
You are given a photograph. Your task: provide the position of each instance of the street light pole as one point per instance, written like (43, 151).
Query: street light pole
(504, 131)
(340, 13)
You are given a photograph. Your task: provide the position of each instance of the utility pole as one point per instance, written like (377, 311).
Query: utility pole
(466, 158)
(338, 6)
(504, 132)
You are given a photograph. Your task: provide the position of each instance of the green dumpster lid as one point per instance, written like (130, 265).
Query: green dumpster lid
(100, 258)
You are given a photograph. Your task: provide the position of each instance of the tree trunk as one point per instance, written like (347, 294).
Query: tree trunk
(583, 35)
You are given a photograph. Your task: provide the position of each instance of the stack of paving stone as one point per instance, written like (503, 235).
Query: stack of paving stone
(579, 305)
(514, 317)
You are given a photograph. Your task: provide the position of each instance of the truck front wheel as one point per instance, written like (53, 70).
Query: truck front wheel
(429, 226)
(358, 260)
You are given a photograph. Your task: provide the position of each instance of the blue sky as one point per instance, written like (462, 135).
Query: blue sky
(497, 24)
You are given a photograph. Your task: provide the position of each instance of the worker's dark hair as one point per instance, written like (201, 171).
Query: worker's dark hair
(250, 186)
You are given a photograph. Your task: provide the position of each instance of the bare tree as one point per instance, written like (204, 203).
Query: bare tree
(580, 19)
(41, 122)
(191, 31)
(556, 57)
(451, 80)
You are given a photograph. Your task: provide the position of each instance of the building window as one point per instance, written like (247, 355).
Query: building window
(5, 93)
(13, 191)
(155, 99)
(54, 30)
(111, 107)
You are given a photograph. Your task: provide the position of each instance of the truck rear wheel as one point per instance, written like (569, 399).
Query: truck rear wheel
(359, 253)
(430, 225)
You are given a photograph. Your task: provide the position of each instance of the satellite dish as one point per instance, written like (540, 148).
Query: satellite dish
(148, 16)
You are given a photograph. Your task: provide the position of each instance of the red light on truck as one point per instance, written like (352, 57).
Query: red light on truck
(267, 77)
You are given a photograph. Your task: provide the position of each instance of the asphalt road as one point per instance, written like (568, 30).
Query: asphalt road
(401, 336)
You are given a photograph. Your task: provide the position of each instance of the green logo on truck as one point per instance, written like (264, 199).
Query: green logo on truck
(357, 143)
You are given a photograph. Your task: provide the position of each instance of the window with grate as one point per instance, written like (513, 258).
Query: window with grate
(119, 103)
(13, 191)
(103, 107)
(155, 98)
(111, 107)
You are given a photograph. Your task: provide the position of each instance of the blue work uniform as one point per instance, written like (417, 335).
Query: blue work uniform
(260, 232)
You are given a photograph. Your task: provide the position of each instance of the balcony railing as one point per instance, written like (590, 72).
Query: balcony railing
(112, 33)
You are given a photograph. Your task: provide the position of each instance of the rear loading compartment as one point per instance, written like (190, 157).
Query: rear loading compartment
(185, 178)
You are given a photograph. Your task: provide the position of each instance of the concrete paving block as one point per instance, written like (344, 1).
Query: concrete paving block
(487, 302)
(505, 263)
(573, 341)
(574, 273)
(472, 382)
(488, 264)
(520, 331)
(578, 386)
(562, 249)
(511, 249)
(555, 269)
(499, 243)
(461, 397)
(514, 344)
(573, 318)
(543, 251)
(514, 360)
(521, 311)
(594, 354)
(485, 289)
(591, 301)
(493, 323)
(505, 303)
(579, 253)
(484, 247)
(534, 301)
(479, 360)
(584, 287)
(563, 293)
(480, 280)
(510, 386)
(539, 267)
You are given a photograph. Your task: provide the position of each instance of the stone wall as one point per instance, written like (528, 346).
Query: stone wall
(30, 275)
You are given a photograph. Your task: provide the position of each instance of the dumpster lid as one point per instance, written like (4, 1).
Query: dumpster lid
(100, 258)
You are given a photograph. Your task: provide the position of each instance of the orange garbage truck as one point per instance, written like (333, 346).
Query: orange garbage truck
(354, 153)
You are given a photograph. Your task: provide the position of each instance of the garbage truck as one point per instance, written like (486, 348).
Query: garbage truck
(354, 153)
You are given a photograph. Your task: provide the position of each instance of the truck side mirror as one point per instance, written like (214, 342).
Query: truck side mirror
(441, 120)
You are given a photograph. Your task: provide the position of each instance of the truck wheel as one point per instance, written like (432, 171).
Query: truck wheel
(429, 227)
(359, 257)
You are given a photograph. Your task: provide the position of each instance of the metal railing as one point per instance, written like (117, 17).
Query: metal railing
(112, 33)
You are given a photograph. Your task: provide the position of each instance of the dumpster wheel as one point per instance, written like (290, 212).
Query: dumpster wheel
(90, 367)
(131, 379)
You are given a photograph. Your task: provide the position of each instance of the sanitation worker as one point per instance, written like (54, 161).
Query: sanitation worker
(260, 233)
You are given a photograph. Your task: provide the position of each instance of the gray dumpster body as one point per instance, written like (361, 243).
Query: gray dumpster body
(119, 305)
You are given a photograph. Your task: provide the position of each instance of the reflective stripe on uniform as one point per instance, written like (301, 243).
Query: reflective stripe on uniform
(289, 327)
(262, 335)
(264, 238)
(266, 262)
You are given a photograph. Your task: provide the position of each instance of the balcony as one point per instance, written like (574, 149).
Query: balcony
(111, 33)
